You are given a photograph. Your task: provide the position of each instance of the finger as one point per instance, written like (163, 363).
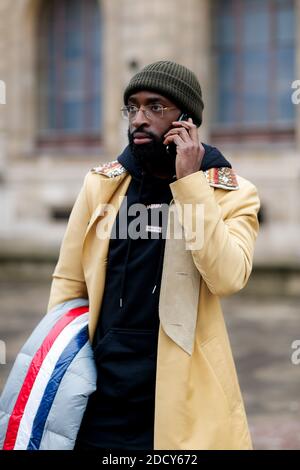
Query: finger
(178, 140)
(179, 131)
(190, 126)
(183, 133)
(172, 138)
(175, 138)
(194, 130)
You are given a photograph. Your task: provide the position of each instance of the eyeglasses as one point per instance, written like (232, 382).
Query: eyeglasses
(151, 111)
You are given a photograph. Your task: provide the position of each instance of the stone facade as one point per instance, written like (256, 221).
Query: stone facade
(34, 183)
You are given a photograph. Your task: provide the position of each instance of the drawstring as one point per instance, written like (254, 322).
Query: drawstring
(161, 258)
(123, 279)
(160, 263)
(124, 273)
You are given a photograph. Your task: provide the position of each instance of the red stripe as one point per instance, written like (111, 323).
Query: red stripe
(17, 413)
(213, 175)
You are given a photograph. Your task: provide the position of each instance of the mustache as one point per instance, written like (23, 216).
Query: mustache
(141, 130)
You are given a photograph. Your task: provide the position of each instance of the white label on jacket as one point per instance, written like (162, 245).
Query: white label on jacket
(152, 228)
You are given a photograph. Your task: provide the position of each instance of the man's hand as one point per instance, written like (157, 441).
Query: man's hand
(190, 151)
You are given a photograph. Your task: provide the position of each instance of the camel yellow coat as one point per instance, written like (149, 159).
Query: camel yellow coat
(198, 401)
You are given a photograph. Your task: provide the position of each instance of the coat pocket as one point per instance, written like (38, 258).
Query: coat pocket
(224, 371)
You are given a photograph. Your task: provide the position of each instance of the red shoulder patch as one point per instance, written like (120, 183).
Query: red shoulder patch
(110, 169)
(224, 178)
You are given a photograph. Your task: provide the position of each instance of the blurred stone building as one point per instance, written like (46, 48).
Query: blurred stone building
(65, 64)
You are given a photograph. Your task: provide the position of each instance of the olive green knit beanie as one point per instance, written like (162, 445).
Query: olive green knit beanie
(172, 80)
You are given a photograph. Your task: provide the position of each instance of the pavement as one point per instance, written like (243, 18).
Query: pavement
(261, 330)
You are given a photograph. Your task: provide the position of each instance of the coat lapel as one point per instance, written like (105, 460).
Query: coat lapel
(109, 186)
(178, 302)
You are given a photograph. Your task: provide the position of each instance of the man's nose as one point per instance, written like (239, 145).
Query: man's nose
(139, 119)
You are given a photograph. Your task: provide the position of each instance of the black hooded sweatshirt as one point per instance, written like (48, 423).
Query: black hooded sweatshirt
(120, 414)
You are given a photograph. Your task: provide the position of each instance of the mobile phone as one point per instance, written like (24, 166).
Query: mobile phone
(171, 148)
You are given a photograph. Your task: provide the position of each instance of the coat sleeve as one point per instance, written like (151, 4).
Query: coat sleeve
(224, 246)
(68, 278)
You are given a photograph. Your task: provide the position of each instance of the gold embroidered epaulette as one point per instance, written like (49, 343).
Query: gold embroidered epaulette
(110, 169)
(223, 177)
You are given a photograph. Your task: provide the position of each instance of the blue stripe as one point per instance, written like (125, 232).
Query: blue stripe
(61, 367)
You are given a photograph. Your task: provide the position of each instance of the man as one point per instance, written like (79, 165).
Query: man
(166, 377)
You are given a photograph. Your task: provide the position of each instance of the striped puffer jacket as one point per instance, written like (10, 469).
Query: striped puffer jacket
(46, 393)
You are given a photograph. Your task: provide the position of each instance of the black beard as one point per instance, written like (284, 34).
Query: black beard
(153, 157)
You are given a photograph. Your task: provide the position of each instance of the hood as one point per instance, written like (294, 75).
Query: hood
(213, 158)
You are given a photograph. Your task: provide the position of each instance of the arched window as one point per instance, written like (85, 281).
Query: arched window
(69, 73)
(254, 45)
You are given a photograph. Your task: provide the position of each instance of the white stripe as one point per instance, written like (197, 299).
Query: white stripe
(153, 228)
(153, 206)
(43, 377)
